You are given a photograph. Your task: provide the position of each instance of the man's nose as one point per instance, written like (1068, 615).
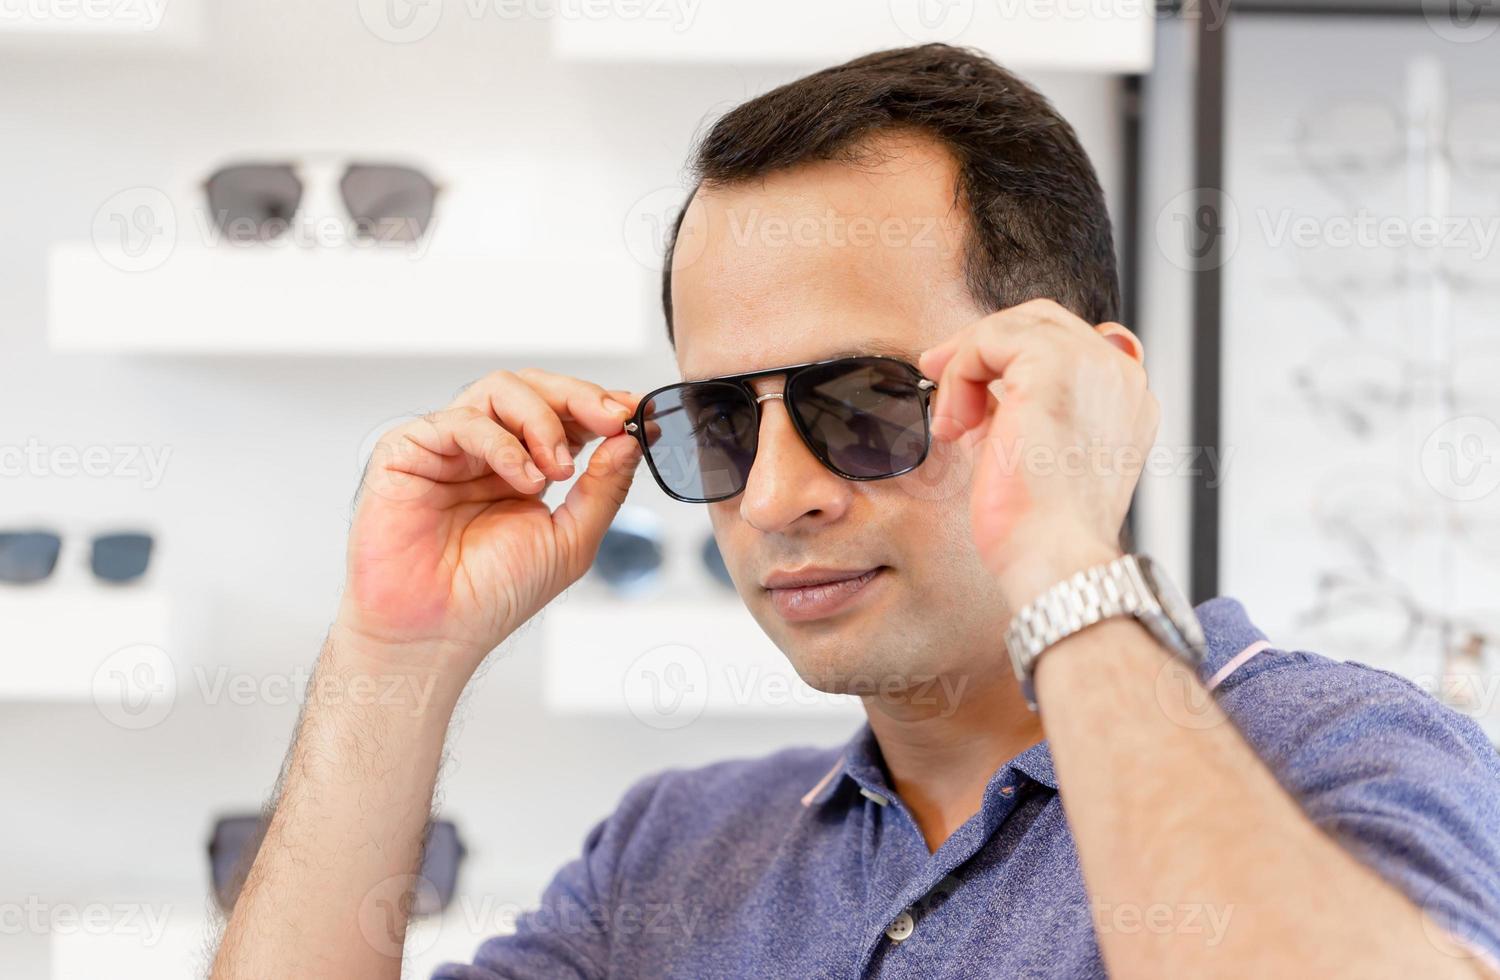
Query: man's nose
(787, 484)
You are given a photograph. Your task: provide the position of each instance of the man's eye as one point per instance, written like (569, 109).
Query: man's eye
(720, 425)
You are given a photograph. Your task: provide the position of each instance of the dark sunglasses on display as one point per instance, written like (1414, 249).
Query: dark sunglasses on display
(31, 556)
(864, 418)
(236, 840)
(256, 201)
(632, 554)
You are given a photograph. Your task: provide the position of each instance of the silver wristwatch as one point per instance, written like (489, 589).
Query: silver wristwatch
(1131, 585)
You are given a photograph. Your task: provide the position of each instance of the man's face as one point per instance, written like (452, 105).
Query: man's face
(800, 266)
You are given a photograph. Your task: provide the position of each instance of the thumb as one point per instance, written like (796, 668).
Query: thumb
(594, 499)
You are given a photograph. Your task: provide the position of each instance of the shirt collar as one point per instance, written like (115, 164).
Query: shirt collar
(859, 766)
(1226, 628)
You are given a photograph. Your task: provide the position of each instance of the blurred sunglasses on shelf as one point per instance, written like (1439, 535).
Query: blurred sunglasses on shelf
(864, 418)
(633, 552)
(236, 840)
(1349, 144)
(256, 201)
(31, 556)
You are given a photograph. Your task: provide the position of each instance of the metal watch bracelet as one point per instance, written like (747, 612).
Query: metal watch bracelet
(1121, 587)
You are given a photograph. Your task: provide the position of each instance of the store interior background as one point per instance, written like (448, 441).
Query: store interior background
(555, 166)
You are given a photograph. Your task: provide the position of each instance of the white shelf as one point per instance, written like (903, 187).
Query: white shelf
(282, 300)
(1073, 35)
(669, 663)
(155, 940)
(62, 641)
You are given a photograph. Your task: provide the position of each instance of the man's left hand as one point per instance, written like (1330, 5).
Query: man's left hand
(1059, 454)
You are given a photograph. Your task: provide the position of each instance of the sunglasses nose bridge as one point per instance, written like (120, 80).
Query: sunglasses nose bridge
(798, 429)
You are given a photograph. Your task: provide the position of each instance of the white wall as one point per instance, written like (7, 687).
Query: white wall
(255, 502)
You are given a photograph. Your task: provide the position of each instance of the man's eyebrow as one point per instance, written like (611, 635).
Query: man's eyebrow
(867, 348)
(881, 348)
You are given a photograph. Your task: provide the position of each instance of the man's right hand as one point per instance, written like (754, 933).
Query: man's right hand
(451, 550)
(451, 547)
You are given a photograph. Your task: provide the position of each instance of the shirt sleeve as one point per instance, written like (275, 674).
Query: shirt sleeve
(567, 933)
(1408, 785)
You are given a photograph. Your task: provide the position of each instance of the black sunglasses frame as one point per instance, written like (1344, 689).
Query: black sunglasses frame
(925, 387)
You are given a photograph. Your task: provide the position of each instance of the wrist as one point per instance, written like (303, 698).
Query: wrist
(417, 679)
(1048, 557)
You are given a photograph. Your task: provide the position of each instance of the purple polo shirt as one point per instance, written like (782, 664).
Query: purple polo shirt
(806, 863)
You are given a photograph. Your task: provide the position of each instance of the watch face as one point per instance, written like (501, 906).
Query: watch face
(1173, 602)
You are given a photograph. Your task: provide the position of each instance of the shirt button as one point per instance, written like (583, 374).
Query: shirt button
(902, 927)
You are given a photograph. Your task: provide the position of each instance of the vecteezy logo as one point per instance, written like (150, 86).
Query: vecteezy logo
(649, 223)
(136, 229)
(932, 20)
(667, 686)
(384, 464)
(401, 21)
(1462, 21)
(386, 910)
(1198, 230)
(135, 687)
(1184, 700)
(1461, 458)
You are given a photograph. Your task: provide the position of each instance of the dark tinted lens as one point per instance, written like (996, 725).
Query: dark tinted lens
(388, 204)
(121, 557)
(27, 556)
(701, 438)
(254, 202)
(231, 851)
(864, 415)
(628, 557)
(440, 862)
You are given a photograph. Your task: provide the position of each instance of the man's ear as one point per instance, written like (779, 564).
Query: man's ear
(1122, 338)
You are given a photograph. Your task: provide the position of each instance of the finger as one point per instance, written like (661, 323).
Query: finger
(488, 487)
(1033, 311)
(517, 405)
(470, 432)
(594, 499)
(976, 362)
(571, 399)
(602, 411)
(405, 450)
(932, 360)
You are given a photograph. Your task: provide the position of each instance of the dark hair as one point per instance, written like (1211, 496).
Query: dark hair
(1038, 224)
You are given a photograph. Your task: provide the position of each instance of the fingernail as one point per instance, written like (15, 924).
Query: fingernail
(533, 472)
(563, 457)
(610, 405)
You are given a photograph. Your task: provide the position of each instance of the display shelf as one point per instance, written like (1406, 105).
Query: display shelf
(667, 663)
(203, 300)
(1072, 35)
(60, 640)
(150, 940)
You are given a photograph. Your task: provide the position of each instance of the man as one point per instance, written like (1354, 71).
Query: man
(1308, 818)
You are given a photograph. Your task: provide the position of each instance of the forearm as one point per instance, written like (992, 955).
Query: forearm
(1172, 810)
(325, 896)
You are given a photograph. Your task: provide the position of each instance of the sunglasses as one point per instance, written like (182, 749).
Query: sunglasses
(236, 840)
(864, 418)
(633, 554)
(31, 556)
(256, 201)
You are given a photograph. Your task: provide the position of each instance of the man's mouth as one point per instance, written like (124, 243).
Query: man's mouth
(815, 592)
